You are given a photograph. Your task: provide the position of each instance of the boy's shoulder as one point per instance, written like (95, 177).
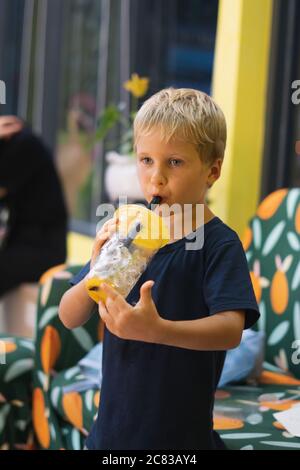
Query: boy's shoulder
(217, 233)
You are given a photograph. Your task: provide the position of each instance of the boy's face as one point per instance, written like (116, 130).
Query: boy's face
(173, 170)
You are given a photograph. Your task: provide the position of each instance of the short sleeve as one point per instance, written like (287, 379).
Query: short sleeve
(227, 283)
(81, 275)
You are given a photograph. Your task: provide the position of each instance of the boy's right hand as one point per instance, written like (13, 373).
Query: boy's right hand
(106, 231)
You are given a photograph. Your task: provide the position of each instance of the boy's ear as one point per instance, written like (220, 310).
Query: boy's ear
(215, 172)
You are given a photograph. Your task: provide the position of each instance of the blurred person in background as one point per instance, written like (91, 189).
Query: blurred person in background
(33, 217)
(74, 158)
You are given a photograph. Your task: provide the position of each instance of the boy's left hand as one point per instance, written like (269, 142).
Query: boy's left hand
(141, 322)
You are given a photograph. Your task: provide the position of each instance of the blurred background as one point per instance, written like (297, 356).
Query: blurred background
(64, 61)
(64, 64)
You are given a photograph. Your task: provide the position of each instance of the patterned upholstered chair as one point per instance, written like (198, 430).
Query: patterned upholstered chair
(61, 420)
(243, 413)
(34, 412)
(16, 368)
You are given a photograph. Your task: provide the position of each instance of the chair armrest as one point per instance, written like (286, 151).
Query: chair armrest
(58, 348)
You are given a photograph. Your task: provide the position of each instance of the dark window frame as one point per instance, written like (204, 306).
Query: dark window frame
(282, 115)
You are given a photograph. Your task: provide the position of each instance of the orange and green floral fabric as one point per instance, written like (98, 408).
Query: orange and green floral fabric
(57, 349)
(77, 408)
(16, 367)
(272, 245)
(243, 416)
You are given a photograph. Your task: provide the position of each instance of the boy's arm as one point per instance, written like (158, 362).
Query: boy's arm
(142, 322)
(76, 306)
(221, 331)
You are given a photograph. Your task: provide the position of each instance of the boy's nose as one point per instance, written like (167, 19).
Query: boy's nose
(158, 178)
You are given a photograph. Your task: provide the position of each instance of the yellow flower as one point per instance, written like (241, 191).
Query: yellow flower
(138, 86)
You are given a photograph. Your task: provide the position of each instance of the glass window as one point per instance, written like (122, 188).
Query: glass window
(281, 163)
(11, 27)
(294, 167)
(101, 42)
(173, 42)
(78, 103)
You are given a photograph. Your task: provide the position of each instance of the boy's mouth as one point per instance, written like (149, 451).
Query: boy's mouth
(157, 198)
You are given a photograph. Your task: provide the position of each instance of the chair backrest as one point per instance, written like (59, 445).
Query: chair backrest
(272, 245)
(57, 349)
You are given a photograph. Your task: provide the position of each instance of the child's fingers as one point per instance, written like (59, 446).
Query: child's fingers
(112, 308)
(103, 235)
(112, 221)
(114, 298)
(108, 229)
(110, 291)
(99, 242)
(103, 312)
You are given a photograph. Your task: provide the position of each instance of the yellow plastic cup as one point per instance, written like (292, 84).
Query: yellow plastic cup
(125, 256)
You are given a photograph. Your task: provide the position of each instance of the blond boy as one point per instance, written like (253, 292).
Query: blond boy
(165, 344)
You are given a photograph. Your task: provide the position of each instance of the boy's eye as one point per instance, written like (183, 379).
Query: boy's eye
(175, 162)
(146, 160)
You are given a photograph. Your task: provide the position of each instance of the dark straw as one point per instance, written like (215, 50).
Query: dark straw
(137, 228)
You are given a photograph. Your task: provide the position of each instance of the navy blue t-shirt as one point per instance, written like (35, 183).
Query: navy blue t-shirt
(161, 397)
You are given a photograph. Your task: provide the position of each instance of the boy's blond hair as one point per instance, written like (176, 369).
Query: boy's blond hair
(188, 114)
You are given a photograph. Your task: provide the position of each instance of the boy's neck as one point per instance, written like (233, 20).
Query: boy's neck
(178, 229)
